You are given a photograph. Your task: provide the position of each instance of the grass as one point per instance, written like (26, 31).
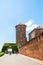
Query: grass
(1, 54)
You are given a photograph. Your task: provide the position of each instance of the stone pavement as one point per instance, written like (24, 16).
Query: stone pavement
(18, 59)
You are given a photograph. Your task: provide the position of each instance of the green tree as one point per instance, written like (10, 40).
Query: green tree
(5, 46)
(14, 48)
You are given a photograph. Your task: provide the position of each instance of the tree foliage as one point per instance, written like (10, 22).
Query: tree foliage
(13, 46)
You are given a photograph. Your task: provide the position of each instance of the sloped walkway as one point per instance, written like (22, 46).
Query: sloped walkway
(18, 59)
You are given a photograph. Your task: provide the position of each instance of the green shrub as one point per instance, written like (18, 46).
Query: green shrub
(5, 46)
(8, 45)
(1, 54)
(14, 48)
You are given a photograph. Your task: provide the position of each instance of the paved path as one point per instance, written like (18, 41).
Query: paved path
(19, 59)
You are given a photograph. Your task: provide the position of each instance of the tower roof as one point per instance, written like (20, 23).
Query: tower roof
(20, 24)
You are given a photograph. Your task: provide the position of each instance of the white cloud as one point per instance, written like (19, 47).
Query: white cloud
(30, 25)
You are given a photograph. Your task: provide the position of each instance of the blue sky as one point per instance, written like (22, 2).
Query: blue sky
(29, 12)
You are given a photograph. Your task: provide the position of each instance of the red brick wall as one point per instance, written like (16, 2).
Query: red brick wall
(35, 33)
(34, 48)
(21, 34)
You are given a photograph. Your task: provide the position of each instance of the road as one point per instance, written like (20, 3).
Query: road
(18, 59)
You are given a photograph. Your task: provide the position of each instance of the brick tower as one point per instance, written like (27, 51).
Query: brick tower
(20, 34)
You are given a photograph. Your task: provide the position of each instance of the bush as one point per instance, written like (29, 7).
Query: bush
(1, 54)
(14, 48)
(5, 47)
(8, 45)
